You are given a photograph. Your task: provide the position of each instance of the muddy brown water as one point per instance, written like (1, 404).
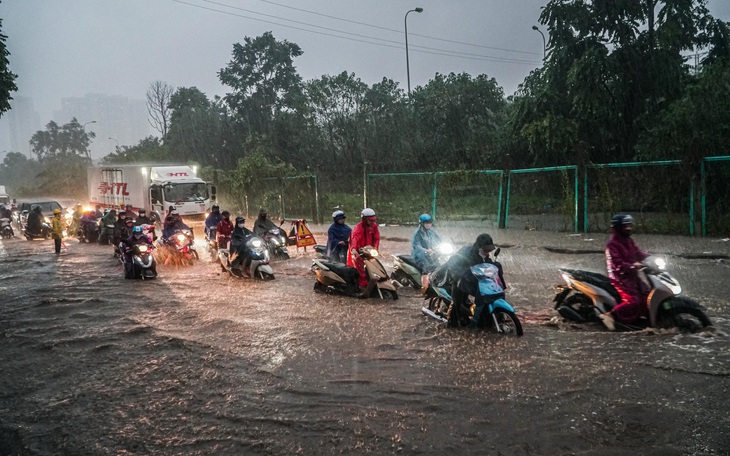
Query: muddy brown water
(199, 363)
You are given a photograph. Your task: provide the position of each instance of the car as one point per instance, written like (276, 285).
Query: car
(24, 208)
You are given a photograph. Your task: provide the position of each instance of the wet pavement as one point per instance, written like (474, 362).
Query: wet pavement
(198, 362)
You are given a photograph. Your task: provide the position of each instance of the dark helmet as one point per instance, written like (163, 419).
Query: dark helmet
(262, 212)
(215, 208)
(128, 220)
(425, 218)
(619, 220)
(225, 214)
(121, 214)
(484, 242)
(240, 219)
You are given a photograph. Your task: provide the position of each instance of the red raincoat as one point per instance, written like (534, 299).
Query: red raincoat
(621, 254)
(361, 236)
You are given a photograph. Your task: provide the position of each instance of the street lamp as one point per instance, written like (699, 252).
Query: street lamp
(544, 45)
(88, 155)
(408, 67)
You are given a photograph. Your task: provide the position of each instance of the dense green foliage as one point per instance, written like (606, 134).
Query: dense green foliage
(7, 78)
(615, 86)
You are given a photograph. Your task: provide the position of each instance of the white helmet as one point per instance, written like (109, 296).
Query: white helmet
(367, 212)
(338, 215)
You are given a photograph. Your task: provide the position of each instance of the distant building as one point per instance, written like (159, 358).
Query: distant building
(18, 125)
(119, 120)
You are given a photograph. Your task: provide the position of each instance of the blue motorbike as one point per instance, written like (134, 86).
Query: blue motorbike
(493, 312)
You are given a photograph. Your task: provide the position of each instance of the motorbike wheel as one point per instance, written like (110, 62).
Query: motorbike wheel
(434, 303)
(579, 306)
(685, 319)
(388, 294)
(319, 287)
(507, 321)
(194, 255)
(264, 275)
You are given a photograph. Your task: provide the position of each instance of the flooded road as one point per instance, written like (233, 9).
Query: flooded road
(199, 363)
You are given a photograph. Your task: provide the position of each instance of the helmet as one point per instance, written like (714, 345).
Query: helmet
(425, 218)
(137, 229)
(367, 212)
(225, 213)
(262, 212)
(121, 204)
(128, 220)
(56, 211)
(142, 210)
(620, 220)
(215, 208)
(484, 242)
(240, 219)
(336, 215)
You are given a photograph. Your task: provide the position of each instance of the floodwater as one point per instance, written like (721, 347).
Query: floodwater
(199, 363)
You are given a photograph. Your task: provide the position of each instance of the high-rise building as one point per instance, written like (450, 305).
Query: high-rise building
(117, 120)
(18, 125)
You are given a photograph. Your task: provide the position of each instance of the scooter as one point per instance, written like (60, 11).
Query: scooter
(586, 295)
(341, 279)
(182, 243)
(338, 256)
(143, 263)
(212, 243)
(45, 231)
(106, 233)
(255, 261)
(6, 231)
(495, 312)
(275, 240)
(89, 232)
(407, 272)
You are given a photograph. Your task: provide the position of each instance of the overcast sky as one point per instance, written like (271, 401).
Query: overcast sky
(63, 48)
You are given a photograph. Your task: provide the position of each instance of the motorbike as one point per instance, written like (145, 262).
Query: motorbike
(182, 243)
(338, 256)
(43, 233)
(586, 295)
(143, 263)
(255, 261)
(212, 243)
(338, 278)
(6, 231)
(275, 240)
(406, 270)
(88, 232)
(495, 312)
(106, 233)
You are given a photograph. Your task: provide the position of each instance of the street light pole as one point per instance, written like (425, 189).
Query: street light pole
(408, 66)
(544, 44)
(88, 155)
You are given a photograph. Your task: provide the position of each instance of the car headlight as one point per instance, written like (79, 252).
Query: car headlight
(68, 216)
(47, 220)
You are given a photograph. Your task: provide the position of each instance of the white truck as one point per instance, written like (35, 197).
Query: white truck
(152, 187)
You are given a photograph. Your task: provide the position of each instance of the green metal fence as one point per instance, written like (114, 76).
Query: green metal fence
(543, 198)
(659, 194)
(293, 197)
(715, 195)
(457, 195)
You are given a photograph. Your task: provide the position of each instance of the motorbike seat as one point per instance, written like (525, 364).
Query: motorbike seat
(346, 272)
(409, 260)
(596, 279)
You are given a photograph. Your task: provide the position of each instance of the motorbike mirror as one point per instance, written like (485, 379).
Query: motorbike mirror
(496, 252)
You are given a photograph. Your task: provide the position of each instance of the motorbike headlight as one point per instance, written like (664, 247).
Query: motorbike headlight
(180, 237)
(68, 216)
(373, 253)
(256, 243)
(566, 277)
(445, 248)
(47, 220)
(660, 264)
(65, 234)
(142, 248)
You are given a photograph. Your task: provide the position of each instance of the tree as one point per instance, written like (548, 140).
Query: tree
(18, 173)
(264, 81)
(158, 106)
(149, 149)
(7, 78)
(67, 143)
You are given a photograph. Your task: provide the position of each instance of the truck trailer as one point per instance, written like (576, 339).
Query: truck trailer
(154, 188)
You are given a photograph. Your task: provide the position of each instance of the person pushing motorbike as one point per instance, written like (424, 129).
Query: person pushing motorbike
(424, 241)
(338, 236)
(463, 283)
(365, 233)
(623, 260)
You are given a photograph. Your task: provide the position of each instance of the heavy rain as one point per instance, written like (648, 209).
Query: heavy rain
(201, 362)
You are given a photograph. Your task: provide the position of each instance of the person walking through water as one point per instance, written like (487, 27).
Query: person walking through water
(57, 230)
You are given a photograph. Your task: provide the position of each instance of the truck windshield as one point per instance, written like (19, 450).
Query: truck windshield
(179, 193)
